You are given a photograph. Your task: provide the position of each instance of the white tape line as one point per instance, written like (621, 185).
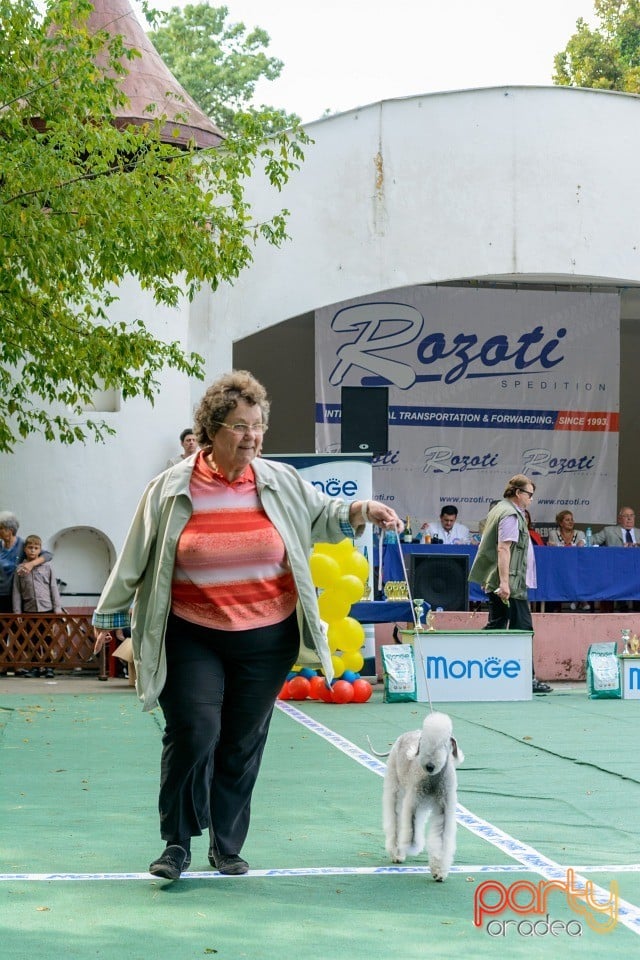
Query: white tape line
(526, 855)
(467, 870)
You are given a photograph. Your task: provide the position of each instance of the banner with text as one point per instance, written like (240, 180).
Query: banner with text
(483, 384)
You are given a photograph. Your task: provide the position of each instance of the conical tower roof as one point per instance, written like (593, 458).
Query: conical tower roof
(149, 81)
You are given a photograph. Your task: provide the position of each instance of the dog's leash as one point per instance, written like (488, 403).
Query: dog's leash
(414, 614)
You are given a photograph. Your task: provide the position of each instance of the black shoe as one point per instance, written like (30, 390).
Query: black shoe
(540, 687)
(22, 672)
(49, 674)
(171, 862)
(34, 672)
(229, 863)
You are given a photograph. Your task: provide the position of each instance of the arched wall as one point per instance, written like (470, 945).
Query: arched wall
(83, 558)
(514, 183)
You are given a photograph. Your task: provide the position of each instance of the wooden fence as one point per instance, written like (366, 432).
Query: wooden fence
(63, 641)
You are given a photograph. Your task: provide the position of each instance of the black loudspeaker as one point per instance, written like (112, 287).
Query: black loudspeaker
(440, 579)
(365, 420)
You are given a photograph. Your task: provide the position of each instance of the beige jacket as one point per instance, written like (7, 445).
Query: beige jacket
(141, 577)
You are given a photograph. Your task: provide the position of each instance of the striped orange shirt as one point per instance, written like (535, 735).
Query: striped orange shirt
(231, 570)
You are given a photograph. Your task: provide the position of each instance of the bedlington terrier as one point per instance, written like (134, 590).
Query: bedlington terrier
(420, 782)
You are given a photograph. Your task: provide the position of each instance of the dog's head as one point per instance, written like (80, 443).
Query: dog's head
(436, 744)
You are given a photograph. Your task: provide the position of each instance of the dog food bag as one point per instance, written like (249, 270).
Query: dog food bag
(603, 672)
(399, 670)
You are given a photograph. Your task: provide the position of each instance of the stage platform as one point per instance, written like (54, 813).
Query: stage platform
(560, 643)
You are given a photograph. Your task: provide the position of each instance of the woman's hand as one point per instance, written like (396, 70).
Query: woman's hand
(373, 511)
(103, 637)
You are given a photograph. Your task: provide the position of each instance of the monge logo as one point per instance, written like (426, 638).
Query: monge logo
(382, 328)
(336, 488)
(492, 668)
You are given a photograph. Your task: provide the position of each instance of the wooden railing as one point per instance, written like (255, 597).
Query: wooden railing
(62, 641)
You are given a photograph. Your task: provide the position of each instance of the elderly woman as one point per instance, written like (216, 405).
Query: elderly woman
(565, 534)
(12, 557)
(216, 564)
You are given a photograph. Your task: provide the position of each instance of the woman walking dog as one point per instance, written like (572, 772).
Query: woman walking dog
(216, 566)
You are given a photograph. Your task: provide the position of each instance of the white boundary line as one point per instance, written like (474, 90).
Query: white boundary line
(527, 856)
(278, 872)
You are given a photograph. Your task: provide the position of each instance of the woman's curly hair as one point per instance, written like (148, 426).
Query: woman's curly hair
(222, 397)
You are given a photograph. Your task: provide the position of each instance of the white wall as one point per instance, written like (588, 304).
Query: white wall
(524, 183)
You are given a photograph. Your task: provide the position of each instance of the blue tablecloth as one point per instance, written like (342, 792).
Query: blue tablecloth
(563, 573)
(383, 611)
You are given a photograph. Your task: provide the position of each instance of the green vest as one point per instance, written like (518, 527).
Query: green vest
(485, 566)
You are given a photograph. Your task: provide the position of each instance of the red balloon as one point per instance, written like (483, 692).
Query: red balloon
(361, 691)
(284, 693)
(342, 691)
(298, 688)
(326, 693)
(316, 685)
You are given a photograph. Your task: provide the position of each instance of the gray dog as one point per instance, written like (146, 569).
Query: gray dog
(420, 782)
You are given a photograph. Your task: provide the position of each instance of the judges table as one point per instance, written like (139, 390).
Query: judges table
(563, 573)
(383, 611)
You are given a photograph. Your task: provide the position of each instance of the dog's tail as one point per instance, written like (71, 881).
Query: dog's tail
(376, 752)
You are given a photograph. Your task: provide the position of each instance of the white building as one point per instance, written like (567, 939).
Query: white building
(508, 185)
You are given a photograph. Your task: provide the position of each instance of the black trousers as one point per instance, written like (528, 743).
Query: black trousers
(514, 616)
(217, 701)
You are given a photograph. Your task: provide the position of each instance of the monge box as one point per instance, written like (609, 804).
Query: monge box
(472, 664)
(630, 678)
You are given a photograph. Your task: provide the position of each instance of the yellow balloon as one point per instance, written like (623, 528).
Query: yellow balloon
(356, 565)
(347, 634)
(349, 587)
(324, 570)
(332, 605)
(339, 551)
(353, 660)
(338, 666)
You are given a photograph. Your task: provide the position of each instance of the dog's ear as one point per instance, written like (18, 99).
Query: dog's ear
(456, 752)
(413, 750)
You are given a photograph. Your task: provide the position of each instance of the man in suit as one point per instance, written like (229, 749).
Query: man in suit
(623, 535)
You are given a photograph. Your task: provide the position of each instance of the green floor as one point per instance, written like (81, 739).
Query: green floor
(556, 778)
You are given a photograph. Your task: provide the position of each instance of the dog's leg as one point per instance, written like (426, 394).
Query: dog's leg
(411, 828)
(441, 842)
(391, 804)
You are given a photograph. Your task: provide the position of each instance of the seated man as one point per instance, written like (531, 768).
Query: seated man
(623, 535)
(448, 530)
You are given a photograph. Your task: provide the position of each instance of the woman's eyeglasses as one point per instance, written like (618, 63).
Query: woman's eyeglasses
(241, 428)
